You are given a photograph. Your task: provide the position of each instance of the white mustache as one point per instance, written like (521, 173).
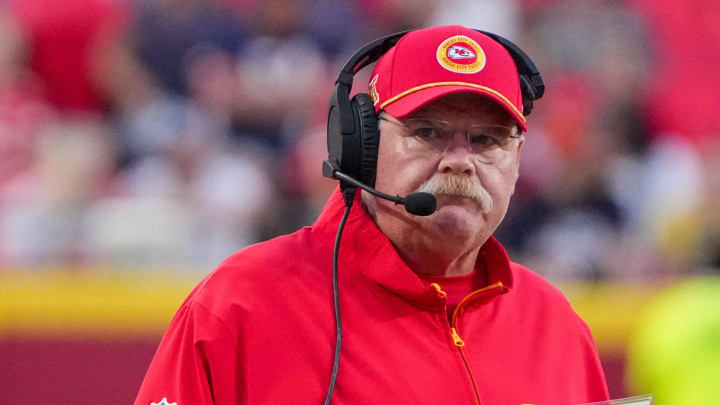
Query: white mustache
(460, 186)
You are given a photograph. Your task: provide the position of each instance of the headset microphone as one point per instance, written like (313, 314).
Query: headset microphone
(420, 203)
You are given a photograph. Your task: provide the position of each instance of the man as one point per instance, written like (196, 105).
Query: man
(433, 310)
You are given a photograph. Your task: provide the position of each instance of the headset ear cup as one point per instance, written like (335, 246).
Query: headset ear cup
(369, 137)
(528, 94)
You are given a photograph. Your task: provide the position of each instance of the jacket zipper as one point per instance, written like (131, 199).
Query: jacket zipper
(453, 322)
(457, 340)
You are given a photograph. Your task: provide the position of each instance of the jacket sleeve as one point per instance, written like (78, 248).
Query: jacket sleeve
(596, 385)
(197, 362)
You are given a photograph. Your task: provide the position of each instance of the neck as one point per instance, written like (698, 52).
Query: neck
(422, 260)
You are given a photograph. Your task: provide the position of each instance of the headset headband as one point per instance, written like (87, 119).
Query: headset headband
(532, 85)
(366, 55)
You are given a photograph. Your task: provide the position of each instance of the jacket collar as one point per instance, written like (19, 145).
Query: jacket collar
(366, 250)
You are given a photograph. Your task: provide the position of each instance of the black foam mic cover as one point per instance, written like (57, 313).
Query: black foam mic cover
(420, 203)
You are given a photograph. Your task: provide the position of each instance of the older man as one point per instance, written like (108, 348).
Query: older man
(433, 309)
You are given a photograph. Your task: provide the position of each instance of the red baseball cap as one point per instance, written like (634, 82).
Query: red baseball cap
(430, 63)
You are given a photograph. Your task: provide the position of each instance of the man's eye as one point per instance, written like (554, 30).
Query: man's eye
(427, 132)
(483, 140)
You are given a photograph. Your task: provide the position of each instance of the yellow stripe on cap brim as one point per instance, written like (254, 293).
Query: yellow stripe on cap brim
(464, 84)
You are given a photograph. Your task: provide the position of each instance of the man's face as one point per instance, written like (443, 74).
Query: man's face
(453, 169)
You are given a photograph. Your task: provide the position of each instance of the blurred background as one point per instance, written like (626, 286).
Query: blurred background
(143, 141)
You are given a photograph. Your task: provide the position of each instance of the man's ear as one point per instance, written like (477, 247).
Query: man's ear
(521, 142)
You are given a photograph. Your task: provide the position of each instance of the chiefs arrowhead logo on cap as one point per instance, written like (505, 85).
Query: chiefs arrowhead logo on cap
(461, 54)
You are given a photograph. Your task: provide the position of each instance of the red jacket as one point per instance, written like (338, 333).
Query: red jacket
(260, 330)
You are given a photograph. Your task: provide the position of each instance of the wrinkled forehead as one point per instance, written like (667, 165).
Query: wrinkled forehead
(465, 106)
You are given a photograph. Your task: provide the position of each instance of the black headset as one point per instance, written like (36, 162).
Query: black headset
(353, 134)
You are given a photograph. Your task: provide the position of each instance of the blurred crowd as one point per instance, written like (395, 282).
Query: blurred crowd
(167, 134)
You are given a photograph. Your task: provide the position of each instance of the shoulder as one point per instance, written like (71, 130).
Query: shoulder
(267, 260)
(529, 283)
(543, 299)
(263, 273)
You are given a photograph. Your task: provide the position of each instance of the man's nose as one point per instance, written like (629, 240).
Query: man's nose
(457, 157)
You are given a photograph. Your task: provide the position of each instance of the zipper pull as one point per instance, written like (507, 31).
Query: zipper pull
(456, 338)
(439, 290)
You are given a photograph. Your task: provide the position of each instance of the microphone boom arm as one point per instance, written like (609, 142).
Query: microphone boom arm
(342, 176)
(418, 203)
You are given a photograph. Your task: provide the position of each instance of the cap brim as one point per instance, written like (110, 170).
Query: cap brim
(409, 103)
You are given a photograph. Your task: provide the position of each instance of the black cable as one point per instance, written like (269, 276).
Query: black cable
(336, 296)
